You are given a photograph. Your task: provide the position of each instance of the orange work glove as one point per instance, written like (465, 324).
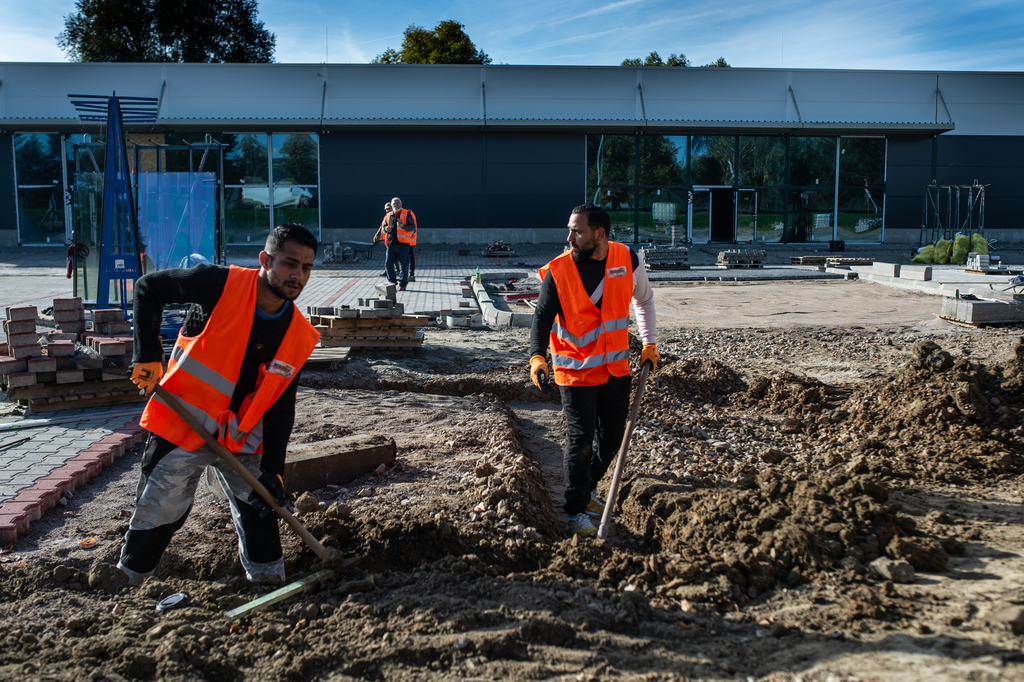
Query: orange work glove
(145, 375)
(650, 353)
(538, 367)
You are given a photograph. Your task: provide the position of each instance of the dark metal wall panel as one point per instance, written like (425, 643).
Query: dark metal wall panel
(908, 170)
(996, 161)
(8, 213)
(467, 180)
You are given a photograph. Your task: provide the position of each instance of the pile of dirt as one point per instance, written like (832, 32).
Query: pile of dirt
(680, 381)
(789, 394)
(730, 545)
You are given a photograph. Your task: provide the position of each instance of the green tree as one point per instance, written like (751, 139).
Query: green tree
(654, 59)
(201, 31)
(719, 63)
(447, 43)
(299, 165)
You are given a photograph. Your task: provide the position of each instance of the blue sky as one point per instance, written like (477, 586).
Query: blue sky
(984, 35)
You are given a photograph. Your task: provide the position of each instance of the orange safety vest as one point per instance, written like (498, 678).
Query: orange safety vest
(405, 235)
(589, 344)
(202, 372)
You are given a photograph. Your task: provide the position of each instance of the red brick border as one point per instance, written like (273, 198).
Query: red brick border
(31, 503)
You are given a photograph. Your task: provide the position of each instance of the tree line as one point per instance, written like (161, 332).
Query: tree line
(229, 31)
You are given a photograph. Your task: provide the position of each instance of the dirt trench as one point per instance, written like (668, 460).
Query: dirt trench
(756, 513)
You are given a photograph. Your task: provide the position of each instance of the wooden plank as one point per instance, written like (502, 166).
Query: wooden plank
(61, 390)
(43, 405)
(326, 358)
(308, 466)
(375, 332)
(356, 323)
(374, 343)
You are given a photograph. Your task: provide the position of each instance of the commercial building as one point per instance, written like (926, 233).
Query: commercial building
(503, 152)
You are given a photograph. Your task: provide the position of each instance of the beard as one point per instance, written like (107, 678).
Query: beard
(281, 292)
(578, 253)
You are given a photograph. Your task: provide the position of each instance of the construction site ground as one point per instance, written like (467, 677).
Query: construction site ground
(824, 485)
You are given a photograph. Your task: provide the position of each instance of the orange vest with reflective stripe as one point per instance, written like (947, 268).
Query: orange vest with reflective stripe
(405, 235)
(202, 372)
(587, 343)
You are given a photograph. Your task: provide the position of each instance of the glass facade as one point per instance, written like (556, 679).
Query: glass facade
(745, 188)
(40, 182)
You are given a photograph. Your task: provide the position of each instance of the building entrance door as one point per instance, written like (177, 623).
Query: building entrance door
(723, 214)
(746, 215)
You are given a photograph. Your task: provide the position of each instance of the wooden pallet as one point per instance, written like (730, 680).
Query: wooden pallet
(64, 391)
(75, 402)
(807, 260)
(382, 341)
(836, 260)
(666, 266)
(327, 358)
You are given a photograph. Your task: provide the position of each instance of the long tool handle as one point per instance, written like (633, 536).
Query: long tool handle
(246, 475)
(613, 490)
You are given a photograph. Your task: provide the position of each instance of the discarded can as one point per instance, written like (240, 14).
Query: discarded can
(176, 600)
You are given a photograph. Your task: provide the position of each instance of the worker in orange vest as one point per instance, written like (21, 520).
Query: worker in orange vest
(583, 316)
(235, 367)
(399, 229)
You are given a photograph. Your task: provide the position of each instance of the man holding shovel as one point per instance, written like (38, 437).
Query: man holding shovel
(583, 314)
(235, 369)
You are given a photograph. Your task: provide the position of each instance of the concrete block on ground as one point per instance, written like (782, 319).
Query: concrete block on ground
(981, 312)
(101, 315)
(22, 312)
(369, 313)
(42, 365)
(3, 348)
(398, 309)
(64, 316)
(108, 348)
(386, 290)
(308, 466)
(67, 303)
(73, 327)
(21, 379)
(19, 327)
(59, 349)
(885, 269)
(324, 310)
(113, 328)
(920, 273)
(25, 352)
(383, 303)
(467, 292)
(346, 313)
(70, 376)
(12, 366)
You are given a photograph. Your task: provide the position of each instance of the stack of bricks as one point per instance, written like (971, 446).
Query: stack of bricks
(74, 367)
(378, 323)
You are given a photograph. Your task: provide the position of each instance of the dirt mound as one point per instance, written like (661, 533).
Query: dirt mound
(678, 381)
(735, 543)
(507, 383)
(789, 394)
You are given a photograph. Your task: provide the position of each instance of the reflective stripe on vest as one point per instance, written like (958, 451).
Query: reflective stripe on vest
(203, 370)
(587, 343)
(405, 236)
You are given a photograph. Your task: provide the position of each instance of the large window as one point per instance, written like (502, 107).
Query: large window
(40, 182)
(748, 188)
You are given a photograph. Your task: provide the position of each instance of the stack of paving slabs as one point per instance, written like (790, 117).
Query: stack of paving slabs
(378, 323)
(740, 258)
(71, 367)
(665, 257)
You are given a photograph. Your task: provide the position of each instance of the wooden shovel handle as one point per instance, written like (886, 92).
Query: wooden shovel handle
(246, 475)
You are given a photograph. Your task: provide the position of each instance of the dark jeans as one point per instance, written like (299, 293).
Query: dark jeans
(588, 410)
(412, 261)
(398, 258)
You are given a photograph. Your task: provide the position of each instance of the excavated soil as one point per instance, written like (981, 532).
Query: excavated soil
(802, 504)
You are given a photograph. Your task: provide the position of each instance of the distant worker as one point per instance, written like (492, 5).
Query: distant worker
(583, 314)
(235, 367)
(399, 228)
(379, 236)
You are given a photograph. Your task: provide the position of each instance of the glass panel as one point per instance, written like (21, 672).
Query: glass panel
(246, 219)
(37, 160)
(700, 223)
(662, 160)
(298, 205)
(812, 161)
(295, 160)
(810, 215)
(87, 206)
(770, 215)
(177, 213)
(41, 215)
(860, 214)
(862, 161)
(618, 201)
(245, 159)
(711, 159)
(611, 160)
(660, 209)
(762, 161)
(746, 215)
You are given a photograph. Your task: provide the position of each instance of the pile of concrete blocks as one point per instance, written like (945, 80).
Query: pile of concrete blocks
(740, 258)
(71, 367)
(665, 257)
(378, 323)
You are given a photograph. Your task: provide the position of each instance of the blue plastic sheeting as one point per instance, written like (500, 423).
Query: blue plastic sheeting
(177, 214)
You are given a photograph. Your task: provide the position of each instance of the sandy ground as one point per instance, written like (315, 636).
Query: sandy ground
(814, 492)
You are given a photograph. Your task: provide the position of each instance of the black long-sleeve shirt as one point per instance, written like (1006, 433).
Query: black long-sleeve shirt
(202, 286)
(548, 304)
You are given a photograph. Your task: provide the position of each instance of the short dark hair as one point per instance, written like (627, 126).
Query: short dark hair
(597, 217)
(289, 231)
